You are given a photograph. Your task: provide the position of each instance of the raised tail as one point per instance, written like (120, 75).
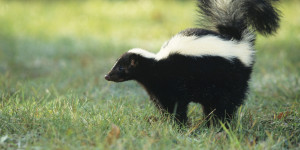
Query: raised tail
(238, 19)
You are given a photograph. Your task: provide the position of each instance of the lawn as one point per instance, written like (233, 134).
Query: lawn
(54, 55)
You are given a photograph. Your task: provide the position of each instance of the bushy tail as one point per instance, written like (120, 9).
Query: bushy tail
(238, 18)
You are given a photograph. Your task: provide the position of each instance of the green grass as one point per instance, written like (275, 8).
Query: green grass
(53, 56)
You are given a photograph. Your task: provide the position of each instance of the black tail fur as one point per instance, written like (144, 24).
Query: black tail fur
(238, 18)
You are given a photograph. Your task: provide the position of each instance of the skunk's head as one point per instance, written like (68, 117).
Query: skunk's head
(124, 68)
(130, 65)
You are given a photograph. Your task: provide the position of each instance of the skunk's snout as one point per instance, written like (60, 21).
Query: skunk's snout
(107, 77)
(115, 76)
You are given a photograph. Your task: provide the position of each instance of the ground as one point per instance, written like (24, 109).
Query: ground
(54, 55)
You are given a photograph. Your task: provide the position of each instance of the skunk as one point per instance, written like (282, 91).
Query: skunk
(210, 65)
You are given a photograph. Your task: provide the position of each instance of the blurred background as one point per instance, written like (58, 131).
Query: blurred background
(72, 44)
(53, 51)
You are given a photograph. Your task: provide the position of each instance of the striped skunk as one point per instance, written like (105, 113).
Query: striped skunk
(210, 65)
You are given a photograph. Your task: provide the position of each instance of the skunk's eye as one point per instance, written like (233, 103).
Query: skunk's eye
(121, 68)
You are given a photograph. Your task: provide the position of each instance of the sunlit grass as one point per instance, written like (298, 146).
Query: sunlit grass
(53, 56)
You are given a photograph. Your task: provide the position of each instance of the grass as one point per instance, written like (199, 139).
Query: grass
(53, 56)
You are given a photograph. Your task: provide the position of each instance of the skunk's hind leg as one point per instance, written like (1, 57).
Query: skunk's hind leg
(215, 113)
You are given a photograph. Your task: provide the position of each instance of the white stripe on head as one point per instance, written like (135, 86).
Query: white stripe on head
(208, 45)
(142, 52)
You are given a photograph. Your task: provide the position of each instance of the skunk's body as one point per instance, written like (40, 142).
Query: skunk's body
(209, 80)
(209, 66)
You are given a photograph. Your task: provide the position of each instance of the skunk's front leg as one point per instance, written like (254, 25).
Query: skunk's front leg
(178, 109)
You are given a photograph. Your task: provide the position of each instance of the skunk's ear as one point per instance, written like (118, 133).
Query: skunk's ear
(133, 61)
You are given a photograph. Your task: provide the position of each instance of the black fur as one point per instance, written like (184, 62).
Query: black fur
(179, 80)
(262, 16)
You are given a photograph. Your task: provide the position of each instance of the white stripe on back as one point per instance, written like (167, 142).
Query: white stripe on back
(142, 52)
(208, 46)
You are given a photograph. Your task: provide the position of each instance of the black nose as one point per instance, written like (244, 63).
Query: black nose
(107, 77)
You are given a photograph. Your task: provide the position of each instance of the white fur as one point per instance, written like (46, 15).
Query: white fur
(142, 52)
(221, 4)
(208, 46)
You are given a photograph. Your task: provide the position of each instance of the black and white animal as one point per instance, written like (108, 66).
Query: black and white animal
(210, 65)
